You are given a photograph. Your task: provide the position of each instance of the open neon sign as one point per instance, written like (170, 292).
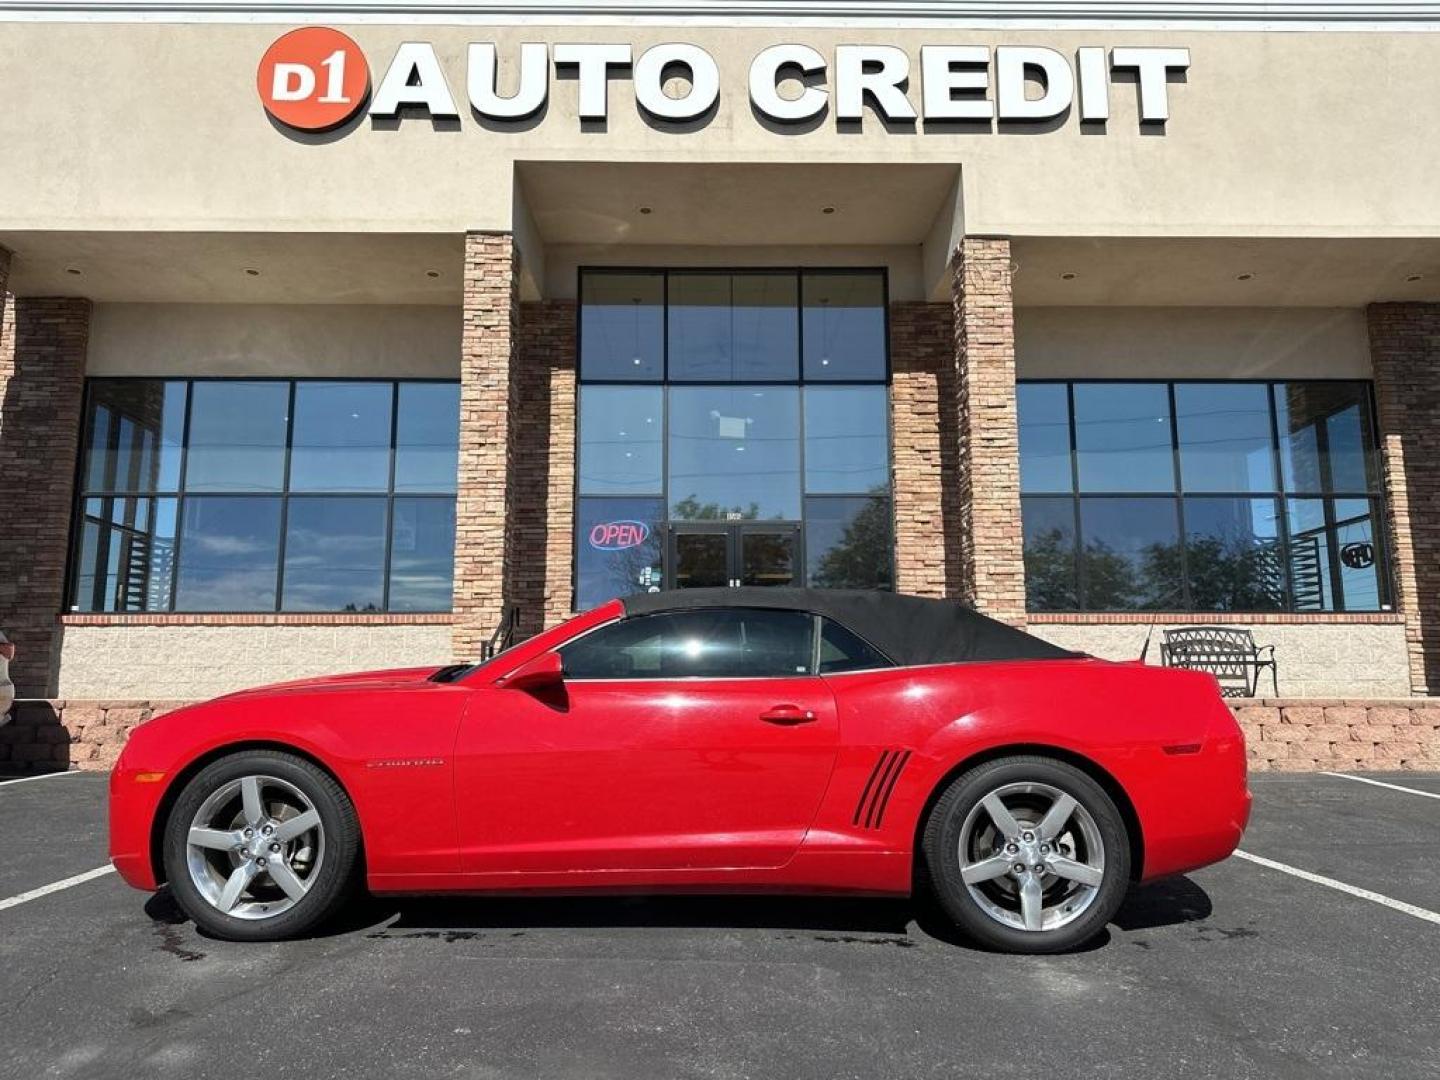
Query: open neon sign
(618, 535)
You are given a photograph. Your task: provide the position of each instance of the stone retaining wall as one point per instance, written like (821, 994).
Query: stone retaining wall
(1299, 735)
(1283, 734)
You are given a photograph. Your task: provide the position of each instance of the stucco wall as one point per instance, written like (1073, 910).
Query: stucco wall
(157, 125)
(1195, 343)
(196, 662)
(1324, 660)
(287, 340)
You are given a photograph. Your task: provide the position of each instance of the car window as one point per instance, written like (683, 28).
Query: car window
(710, 643)
(840, 650)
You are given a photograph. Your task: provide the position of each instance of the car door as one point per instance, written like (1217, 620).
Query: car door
(684, 740)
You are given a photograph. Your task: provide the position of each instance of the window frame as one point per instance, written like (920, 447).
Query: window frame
(179, 494)
(800, 272)
(1376, 497)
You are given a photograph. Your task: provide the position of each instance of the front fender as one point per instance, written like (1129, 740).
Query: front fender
(390, 750)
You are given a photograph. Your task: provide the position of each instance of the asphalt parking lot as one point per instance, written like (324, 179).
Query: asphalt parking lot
(1240, 970)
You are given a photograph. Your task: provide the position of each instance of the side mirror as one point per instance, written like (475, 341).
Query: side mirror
(539, 673)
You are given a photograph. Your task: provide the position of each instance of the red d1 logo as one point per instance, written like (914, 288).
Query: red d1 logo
(313, 79)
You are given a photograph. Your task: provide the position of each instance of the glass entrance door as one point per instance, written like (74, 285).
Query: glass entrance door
(719, 555)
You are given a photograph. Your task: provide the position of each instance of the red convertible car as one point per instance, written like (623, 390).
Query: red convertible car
(725, 740)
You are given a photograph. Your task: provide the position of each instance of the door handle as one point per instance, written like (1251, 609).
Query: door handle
(787, 714)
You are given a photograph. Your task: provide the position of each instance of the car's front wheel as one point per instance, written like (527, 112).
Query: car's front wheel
(1028, 854)
(261, 845)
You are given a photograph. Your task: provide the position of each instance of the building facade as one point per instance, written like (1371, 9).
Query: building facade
(329, 330)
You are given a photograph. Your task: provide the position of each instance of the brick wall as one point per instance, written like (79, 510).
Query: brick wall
(1405, 351)
(992, 570)
(1288, 735)
(1340, 734)
(489, 393)
(42, 375)
(926, 448)
(544, 476)
(61, 734)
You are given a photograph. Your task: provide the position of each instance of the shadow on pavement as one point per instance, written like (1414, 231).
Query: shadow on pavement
(1171, 902)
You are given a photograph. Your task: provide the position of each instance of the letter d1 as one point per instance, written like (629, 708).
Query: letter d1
(313, 79)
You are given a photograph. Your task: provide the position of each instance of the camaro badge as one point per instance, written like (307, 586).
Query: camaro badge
(404, 763)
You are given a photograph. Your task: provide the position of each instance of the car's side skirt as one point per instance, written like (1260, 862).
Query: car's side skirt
(876, 873)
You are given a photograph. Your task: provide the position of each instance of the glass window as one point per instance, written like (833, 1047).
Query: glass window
(1044, 415)
(713, 643)
(422, 554)
(1278, 533)
(341, 439)
(1233, 556)
(1354, 529)
(844, 326)
(134, 435)
(617, 549)
(733, 327)
(231, 451)
(740, 448)
(848, 542)
(1130, 554)
(1327, 441)
(847, 440)
(1225, 438)
(229, 554)
(622, 327)
(840, 650)
(237, 436)
(621, 444)
(734, 453)
(427, 437)
(1048, 525)
(1334, 556)
(335, 554)
(126, 560)
(1122, 437)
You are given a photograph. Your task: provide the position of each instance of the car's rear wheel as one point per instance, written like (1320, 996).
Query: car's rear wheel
(261, 845)
(1028, 854)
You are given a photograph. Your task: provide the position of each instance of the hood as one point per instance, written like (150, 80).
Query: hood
(390, 677)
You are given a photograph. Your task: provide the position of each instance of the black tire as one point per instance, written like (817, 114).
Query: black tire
(941, 852)
(334, 879)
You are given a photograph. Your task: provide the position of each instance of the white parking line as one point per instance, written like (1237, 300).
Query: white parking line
(55, 886)
(1331, 883)
(41, 776)
(1381, 783)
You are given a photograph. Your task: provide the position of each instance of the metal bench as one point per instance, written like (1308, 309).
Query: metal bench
(1227, 652)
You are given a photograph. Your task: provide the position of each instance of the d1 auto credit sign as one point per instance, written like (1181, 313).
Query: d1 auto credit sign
(317, 78)
(313, 79)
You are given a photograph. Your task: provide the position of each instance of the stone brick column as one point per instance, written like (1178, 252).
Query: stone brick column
(489, 392)
(42, 376)
(544, 428)
(925, 430)
(992, 569)
(1405, 352)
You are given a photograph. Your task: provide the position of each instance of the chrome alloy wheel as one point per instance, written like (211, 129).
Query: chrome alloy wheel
(255, 847)
(1031, 856)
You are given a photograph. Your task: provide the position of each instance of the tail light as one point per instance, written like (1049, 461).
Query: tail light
(7, 650)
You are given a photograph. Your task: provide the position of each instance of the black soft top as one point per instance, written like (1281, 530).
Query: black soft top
(910, 630)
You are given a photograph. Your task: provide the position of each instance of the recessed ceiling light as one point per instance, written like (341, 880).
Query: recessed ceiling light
(74, 270)
(827, 210)
(647, 209)
(432, 273)
(1069, 275)
(252, 271)
(1414, 277)
(1244, 277)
